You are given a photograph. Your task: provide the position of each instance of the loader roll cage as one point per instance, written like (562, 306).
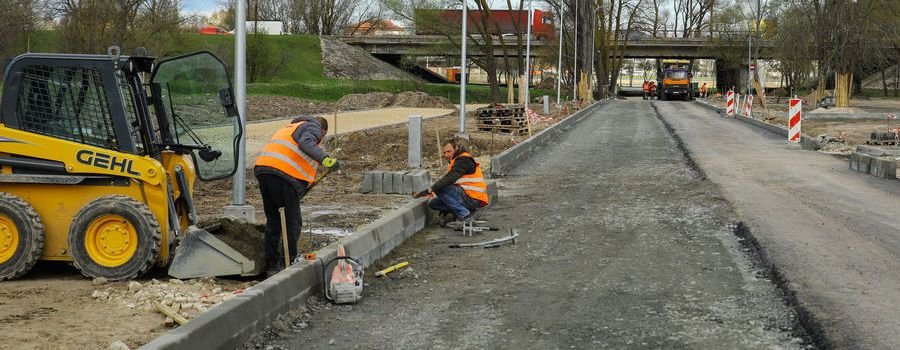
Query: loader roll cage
(101, 100)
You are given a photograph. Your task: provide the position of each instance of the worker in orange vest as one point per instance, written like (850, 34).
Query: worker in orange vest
(285, 168)
(652, 90)
(462, 190)
(703, 90)
(646, 88)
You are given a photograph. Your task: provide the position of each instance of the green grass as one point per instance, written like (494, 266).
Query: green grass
(334, 89)
(299, 73)
(880, 93)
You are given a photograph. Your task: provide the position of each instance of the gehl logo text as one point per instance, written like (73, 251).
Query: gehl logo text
(105, 161)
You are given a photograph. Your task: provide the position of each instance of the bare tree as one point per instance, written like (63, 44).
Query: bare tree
(616, 22)
(18, 19)
(90, 26)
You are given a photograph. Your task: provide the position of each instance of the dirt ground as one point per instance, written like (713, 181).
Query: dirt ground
(54, 307)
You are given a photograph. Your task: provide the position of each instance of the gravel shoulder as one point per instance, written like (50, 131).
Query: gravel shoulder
(829, 230)
(622, 246)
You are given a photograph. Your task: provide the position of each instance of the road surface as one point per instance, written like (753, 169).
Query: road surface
(623, 245)
(831, 231)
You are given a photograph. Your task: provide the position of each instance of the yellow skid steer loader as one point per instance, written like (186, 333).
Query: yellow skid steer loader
(98, 163)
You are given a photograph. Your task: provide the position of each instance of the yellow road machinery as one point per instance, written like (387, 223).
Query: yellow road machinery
(98, 159)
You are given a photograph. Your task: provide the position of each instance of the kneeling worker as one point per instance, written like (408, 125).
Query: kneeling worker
(463, 189)
(285, 168)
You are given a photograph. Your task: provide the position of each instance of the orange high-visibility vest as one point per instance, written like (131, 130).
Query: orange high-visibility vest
(472, 184)
(646, 87)
(703, 88)
(283, 153)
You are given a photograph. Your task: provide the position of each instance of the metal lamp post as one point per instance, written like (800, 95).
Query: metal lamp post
(559, 62)
(239, 207)
(462, 75)
(575, 68)
(528, 54)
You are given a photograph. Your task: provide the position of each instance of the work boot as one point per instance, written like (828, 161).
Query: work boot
(273, 267)
(445, 219)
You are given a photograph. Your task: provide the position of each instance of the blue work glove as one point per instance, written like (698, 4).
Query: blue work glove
(331, 163)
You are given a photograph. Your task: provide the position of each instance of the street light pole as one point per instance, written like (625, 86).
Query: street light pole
(528, 54)
(462, 74)
(575, 69)
(239, 207)
(559, 63)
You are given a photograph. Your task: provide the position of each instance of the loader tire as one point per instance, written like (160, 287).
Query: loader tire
(115, 237)
(21, 236)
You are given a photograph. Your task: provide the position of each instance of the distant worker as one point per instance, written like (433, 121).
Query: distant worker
(652, 89)
(462, 190)
(703, 90)
(646, 89)
(285, 168)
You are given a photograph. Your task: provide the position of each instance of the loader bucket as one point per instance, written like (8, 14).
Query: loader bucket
(200, 254)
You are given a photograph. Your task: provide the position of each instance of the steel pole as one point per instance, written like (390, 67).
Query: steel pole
(462, 73)
(528, 54)
(559, 62)
(575, 68)
(238, 189)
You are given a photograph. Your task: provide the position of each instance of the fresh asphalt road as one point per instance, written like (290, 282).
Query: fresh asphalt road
(622, 245)
(831, 231)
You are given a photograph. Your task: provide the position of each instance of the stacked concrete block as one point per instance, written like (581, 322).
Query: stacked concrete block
(881, 167)
(399, 182)
(885, 168)
(864, 162)
(854, 164)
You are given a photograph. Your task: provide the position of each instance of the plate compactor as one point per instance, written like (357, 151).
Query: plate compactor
(345, 284)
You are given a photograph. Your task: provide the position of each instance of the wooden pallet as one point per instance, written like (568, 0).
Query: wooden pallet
(502, 123)
(514, 131)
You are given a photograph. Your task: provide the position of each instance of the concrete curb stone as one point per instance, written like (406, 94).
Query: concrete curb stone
(806, 142)
(231, 323)
(504, 162)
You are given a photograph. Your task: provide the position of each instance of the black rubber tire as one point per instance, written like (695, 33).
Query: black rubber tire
(138, 215)
(31, 236)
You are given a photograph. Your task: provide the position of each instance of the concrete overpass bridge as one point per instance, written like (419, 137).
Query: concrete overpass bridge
(725, 45)
(436, 45)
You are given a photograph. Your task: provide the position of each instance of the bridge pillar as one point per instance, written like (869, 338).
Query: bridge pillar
(727, 77)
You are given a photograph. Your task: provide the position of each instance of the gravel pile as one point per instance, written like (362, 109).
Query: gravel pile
(414, 99)
(418, 99)
(365, 101)
(188, 298)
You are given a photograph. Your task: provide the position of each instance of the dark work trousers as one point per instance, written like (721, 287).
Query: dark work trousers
(276, 193)
(452, 199)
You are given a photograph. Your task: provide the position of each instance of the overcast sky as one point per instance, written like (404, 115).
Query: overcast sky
(203, 6)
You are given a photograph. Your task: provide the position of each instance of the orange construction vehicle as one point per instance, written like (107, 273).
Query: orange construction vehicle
(676, 80)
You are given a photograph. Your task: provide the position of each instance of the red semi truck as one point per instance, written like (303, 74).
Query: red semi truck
(432, 21)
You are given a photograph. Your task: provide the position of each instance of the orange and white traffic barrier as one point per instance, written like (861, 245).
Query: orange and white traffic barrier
(747, 112)
(729, 103)
(794, 114)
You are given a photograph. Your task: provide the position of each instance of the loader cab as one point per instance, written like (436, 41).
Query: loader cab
(79, 98)
(196, 112)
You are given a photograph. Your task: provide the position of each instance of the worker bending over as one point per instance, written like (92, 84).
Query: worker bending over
(285, 168)
(463, 189)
